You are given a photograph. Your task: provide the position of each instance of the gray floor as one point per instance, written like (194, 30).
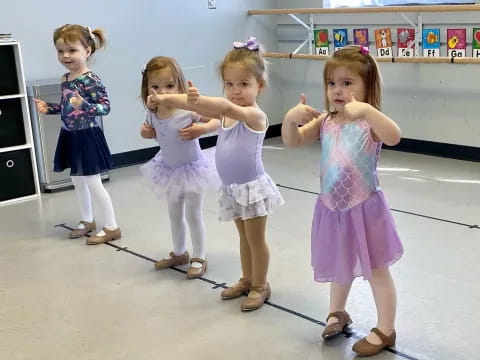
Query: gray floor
(60, 299)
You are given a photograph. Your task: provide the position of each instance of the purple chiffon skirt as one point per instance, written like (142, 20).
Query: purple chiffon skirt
(347, 244)
(174, 182)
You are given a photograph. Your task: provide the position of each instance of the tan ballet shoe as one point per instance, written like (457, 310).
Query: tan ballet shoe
(195, 272)
(250, 304)
(87, 227)
(110, 235)
(173, 261)
(365, 348)
(337, 328)
(239, 289)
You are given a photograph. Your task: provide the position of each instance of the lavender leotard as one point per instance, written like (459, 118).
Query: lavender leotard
(180, 166)
(247, 191)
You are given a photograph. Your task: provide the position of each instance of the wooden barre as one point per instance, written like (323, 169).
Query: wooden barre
(416, 59)
(376, 9)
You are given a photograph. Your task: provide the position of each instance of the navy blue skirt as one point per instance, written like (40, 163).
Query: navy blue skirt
(85, 152)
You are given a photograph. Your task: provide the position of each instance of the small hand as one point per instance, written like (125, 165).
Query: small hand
(191, 132)
(153, 99)
(41, 106)
(193, 95)
(76, 100)
(355, 109)
(147, 131)
(302, 114)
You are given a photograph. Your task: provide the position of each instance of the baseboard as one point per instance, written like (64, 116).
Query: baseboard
(133, 157)
(453, 151)
(274, 131)
(140, 156)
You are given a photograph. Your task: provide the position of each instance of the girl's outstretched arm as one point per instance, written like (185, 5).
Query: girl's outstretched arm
(179, 101)
(302, 114)
(214, 107)
(253, 116)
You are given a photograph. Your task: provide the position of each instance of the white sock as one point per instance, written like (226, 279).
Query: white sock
(177, 224)
(84, 200)
(194, 215)
(104, 201)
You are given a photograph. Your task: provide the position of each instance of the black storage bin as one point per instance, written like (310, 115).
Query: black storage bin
(12, 132)
(16, 174)
(8, 71)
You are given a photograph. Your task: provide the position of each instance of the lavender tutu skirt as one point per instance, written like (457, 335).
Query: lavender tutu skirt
(347, 244)
(174, 182)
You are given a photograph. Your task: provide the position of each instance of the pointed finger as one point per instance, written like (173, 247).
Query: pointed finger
(303, 99)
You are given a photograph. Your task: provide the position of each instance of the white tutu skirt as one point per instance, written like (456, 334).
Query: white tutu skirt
(173, 182)
(249, 200)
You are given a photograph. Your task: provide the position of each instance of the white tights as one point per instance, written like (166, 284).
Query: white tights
(189, 208)
(86, 185)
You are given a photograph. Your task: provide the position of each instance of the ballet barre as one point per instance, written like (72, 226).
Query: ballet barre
(416, 59)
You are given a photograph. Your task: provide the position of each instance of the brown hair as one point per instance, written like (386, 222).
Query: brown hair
(360, 62)
(95, 39)
(159, 63)
(253, 60)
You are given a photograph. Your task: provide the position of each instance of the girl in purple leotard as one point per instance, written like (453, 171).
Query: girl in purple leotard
(248, 194)
(180, 171)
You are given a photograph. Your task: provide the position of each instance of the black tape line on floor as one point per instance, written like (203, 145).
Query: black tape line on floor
(349, 334)
(396, 210)
(125, 249)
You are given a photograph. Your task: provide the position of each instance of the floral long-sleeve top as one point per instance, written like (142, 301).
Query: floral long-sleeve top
(95, 102)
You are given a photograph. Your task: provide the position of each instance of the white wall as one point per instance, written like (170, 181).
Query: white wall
(136, 31)
(435, 102)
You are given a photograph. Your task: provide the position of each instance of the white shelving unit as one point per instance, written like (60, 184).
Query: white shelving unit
(18, 169)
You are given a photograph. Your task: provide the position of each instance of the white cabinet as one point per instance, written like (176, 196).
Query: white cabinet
(18, 170)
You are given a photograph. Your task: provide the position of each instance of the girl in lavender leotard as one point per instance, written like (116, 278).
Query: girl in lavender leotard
(353, 233)
(180, 171)
(248, 194)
